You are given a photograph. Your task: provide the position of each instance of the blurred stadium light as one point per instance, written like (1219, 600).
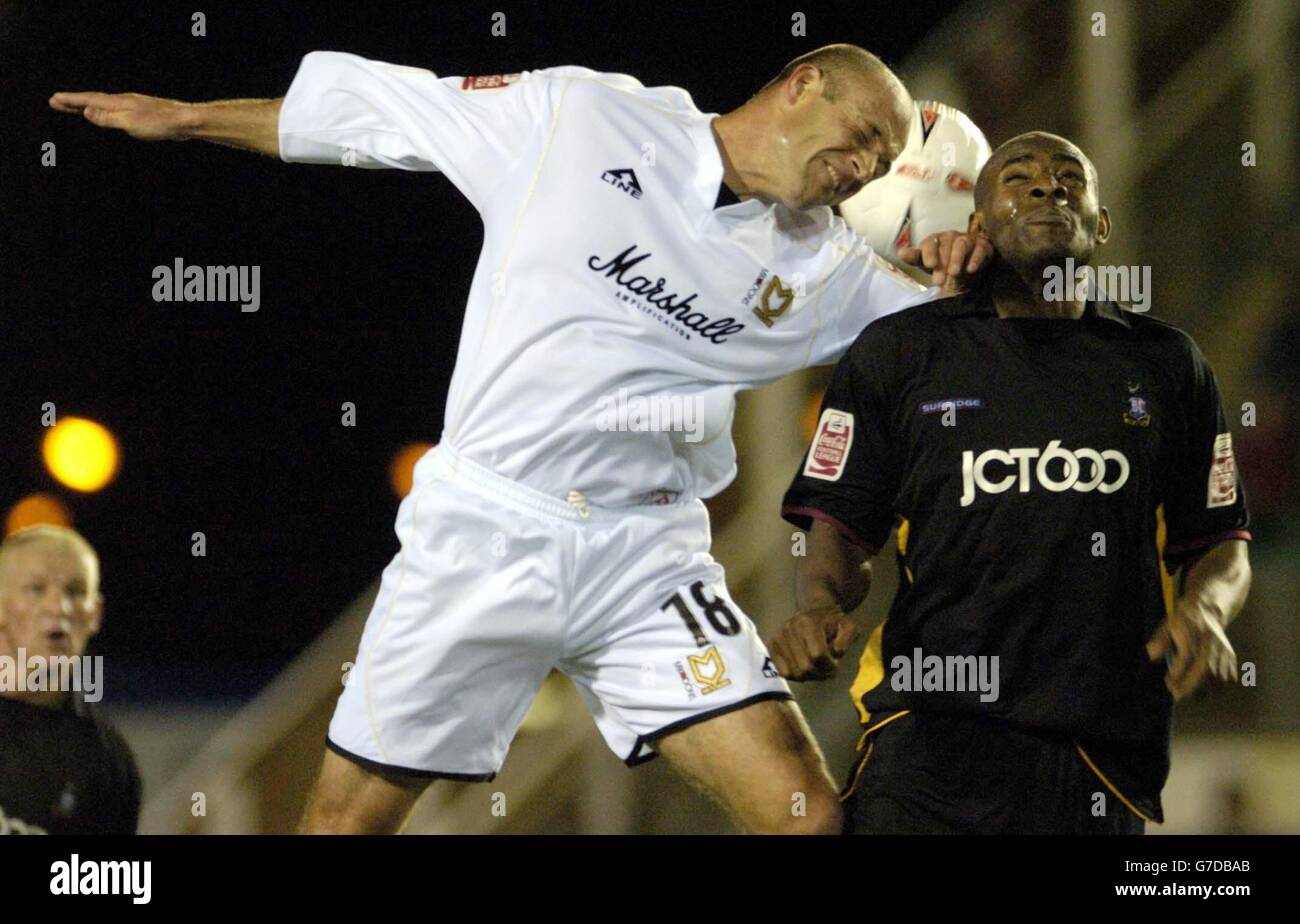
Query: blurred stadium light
(80, 454)
(38, 509)
(401, 470)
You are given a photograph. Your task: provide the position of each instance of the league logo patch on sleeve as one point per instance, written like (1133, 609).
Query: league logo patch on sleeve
(1222, 489)
(490, 82)
(830, 448)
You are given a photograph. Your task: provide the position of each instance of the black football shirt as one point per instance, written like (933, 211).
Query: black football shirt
(1046, 478)
(64, 770)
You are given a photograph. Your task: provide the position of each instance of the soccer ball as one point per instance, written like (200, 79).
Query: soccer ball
(930, 188)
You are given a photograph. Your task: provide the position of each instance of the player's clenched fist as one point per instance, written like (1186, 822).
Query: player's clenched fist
(1193, 643)
(148, 118)
(810, 645)
(954, 259)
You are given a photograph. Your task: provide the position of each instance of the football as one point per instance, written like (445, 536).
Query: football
(930, 188)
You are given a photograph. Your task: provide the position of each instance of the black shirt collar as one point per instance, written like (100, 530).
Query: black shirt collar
(976, 304)
(73, 704)
(1108, 310)
(725, 196)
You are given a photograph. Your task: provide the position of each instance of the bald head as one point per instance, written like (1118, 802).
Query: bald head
(1036, 201)
(833, 120)
(844, 65)
(57, 537)
(1025, 144)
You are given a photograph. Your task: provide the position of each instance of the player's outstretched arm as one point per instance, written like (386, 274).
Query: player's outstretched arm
(831, 580)
(1193, 638)
(250, 124)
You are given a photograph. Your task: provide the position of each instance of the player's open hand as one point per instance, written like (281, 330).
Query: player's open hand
(147, 118)
(954, 259)
(1194, 644)
(810, 645)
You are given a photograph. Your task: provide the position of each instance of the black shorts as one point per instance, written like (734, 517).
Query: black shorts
(935, 774)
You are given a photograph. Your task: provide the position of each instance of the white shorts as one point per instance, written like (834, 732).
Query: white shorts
(496, 584)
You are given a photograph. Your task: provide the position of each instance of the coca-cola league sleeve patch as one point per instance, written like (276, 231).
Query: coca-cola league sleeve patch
(1205, 503)
(1222, 488)
(849, 478)
(830, 446)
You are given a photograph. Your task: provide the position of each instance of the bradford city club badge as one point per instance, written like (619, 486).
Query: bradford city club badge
(1137, 414)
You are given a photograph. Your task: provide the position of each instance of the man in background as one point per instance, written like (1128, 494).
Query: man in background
(63, 768)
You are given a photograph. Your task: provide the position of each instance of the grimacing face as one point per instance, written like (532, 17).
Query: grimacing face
(47, 604)
(830, 149)
(1041, 203)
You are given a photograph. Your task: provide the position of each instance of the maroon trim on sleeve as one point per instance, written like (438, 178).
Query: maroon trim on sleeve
(815, 514)
(1178, 550)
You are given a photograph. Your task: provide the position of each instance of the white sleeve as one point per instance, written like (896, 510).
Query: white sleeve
(344, 109)
(864, 288)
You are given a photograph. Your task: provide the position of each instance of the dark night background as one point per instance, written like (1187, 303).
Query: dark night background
(229, 422)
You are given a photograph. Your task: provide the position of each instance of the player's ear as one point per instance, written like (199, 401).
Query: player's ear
(1103, 225)
(806, 79)
(94, 614)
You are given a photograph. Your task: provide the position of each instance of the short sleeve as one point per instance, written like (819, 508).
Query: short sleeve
(865, 288)
(1205, 503)
(347, 110)
(850, 476)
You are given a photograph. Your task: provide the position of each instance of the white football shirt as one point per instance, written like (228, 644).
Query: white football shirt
(614, 313)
